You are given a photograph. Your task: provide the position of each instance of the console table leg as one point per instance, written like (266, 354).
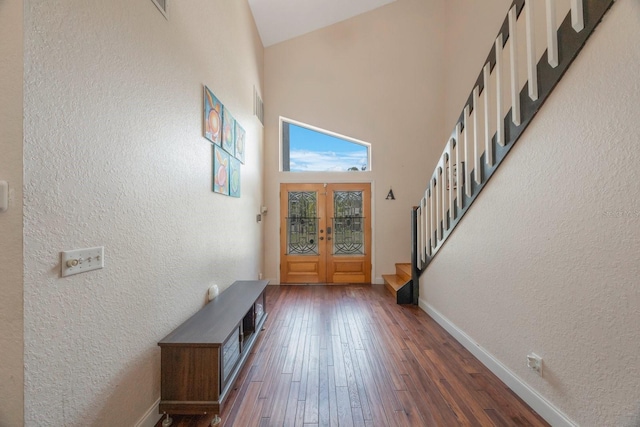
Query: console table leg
(167, 421)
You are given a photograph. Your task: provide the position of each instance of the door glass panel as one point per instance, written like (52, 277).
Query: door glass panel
(302, 223)
(348, 223)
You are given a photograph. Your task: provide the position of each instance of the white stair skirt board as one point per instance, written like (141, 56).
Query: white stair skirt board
(151, 417)
(543, 407)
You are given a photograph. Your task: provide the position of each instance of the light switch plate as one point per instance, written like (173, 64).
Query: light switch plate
(81, 260)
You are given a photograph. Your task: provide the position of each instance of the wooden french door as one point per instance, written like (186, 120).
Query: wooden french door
(325, 233)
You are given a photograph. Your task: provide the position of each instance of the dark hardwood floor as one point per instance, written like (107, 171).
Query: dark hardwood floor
(349, 356)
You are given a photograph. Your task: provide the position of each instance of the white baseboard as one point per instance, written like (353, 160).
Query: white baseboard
(546, 409)
(376, 281)
(151, 417)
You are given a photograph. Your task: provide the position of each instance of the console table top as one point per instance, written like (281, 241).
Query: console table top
(211, 325)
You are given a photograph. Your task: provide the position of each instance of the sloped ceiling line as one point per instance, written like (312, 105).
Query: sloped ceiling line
(280, 20)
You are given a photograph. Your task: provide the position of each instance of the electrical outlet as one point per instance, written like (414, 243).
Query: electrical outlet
(81, 260)
(534, 362)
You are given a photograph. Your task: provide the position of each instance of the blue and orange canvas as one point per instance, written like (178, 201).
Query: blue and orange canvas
(212, 117)
(228, 132)
(234, 177)
(240, 142)
(221, 161)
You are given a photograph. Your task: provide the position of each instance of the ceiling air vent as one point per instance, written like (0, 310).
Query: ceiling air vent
(258, 106)
(162, 6)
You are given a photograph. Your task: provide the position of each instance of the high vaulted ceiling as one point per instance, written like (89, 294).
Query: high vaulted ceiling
(280, 20)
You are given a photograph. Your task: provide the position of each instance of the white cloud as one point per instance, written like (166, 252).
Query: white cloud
(314, 161)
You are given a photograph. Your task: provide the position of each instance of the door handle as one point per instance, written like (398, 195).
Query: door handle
(328, 230)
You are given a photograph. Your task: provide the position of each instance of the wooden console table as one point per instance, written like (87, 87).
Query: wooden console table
(201, 358)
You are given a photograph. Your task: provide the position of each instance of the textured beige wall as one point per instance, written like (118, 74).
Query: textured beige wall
(472, 27)
(114, 156)
(378, 78)
(11, 335)
(546, 260)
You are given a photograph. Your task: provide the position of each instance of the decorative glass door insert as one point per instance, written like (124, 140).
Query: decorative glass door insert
(302, 223)
(348, 223)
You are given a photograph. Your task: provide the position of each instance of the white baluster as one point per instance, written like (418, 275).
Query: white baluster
(498, 73)
(487, 136)
(432, 215)
(515, 86)
(552, 34)
(452, 144)
(577, 15)
(439, 203)
(444, 204)
(476, 149)
(426, 250)
(467, 178)
(459, 180)
(428, 219)
(531, 51)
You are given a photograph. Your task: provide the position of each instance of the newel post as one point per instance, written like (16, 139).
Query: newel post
(415, 272)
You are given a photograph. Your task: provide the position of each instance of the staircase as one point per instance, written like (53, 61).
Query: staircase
(499, 108)
(399, 284)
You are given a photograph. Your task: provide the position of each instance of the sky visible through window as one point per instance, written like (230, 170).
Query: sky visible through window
(313, 151)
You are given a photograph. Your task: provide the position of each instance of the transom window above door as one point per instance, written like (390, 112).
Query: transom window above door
(306, 148)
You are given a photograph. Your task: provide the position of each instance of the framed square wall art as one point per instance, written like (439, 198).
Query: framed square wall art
(221, 161)
(212, 117)
(240, 142)
(228, 131)
(234, 177)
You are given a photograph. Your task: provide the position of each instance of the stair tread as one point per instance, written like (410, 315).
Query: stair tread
(394, 281)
